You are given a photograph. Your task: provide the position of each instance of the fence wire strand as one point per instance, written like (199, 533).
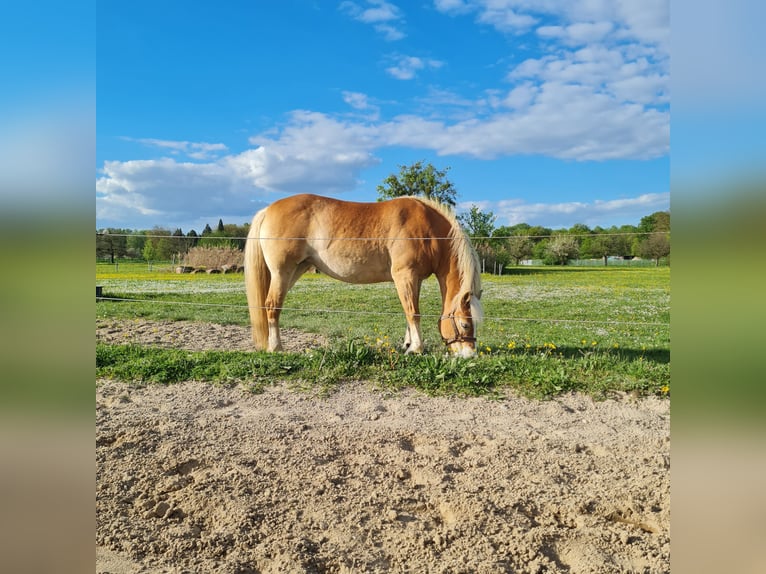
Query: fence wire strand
(104, 235)
(385, 313)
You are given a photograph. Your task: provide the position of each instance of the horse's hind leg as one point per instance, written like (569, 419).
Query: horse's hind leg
(281, 282)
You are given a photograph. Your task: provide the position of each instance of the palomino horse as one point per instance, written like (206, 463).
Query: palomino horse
(403, 240)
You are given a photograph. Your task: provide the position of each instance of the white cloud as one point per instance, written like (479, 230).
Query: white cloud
(313, 152)
(145, 189)
(577, 33)
(565, 214)
(618, 46)
(361, 103)
(382, 15)
(452, 6)
(194, 150)
(616, 71)
(557, 120)
(646, 21)
(505, 18)
(407, 67)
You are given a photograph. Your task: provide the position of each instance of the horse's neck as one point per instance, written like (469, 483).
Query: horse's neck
(449, 281)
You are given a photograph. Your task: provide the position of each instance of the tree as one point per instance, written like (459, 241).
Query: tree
(656, 246)
(136, 243)
(479, 226)
(111, 243)
(229, 235)
(519, 247)
(561, 248)
(579, 229)
(419, 180)
(657, 221)
(193, 238)
(149, 252)
(601, 246)
(158, 245)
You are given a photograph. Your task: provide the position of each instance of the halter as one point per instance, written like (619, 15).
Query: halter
(459, 337)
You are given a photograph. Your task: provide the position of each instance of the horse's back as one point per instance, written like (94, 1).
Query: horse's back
(326, 217)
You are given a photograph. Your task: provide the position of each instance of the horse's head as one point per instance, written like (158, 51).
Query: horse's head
(458, 327)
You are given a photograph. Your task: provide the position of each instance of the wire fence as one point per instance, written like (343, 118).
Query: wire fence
(224, 238)
(359, 312)
(592, 262)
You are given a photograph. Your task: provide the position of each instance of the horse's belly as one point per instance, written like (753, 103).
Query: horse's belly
(363, 269)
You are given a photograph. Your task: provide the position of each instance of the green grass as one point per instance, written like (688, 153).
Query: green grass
(548, 331)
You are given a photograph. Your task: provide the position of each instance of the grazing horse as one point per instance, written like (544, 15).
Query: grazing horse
(403, 240)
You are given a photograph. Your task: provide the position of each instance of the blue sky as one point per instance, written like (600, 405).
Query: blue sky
(550, 112)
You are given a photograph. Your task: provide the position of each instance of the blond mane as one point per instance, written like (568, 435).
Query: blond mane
(467, 259)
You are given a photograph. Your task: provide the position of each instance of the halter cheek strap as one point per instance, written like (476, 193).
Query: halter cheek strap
(459, 337)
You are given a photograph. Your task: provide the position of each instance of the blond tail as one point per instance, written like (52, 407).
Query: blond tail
(257, 280)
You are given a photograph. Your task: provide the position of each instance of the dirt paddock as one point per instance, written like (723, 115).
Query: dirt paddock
(194, 477)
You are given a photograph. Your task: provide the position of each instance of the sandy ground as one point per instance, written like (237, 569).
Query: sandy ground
(198, 478)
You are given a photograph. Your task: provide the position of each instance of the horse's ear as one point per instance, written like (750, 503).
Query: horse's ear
(466, 300)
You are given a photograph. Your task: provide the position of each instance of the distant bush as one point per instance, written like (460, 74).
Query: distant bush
(214, 258)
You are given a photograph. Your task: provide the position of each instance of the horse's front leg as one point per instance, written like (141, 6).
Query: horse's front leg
(408, 289)
(407, 339)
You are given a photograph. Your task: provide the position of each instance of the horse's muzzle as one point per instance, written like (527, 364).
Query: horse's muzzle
(469, 342)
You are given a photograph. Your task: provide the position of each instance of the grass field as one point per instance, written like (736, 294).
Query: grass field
(547, 330)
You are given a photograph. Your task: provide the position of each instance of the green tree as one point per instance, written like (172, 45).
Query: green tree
(149, 252)
(655, 246)
(229, 235)
(111, 243)
(136, 242)
(657, 221)
(158, 245)
(561, 248)
(598, 247)
(479, 226)
(419, 180)
(519, 248)
(579, 229)
(477, 223)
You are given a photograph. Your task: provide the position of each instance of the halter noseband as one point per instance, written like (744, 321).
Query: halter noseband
(459, 337)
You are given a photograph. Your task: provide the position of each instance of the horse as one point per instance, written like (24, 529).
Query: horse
(404, 240)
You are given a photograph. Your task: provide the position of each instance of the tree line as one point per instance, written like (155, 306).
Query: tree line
(162, 244)
(498, 247)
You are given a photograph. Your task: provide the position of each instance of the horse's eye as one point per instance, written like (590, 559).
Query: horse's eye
(465, 325)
